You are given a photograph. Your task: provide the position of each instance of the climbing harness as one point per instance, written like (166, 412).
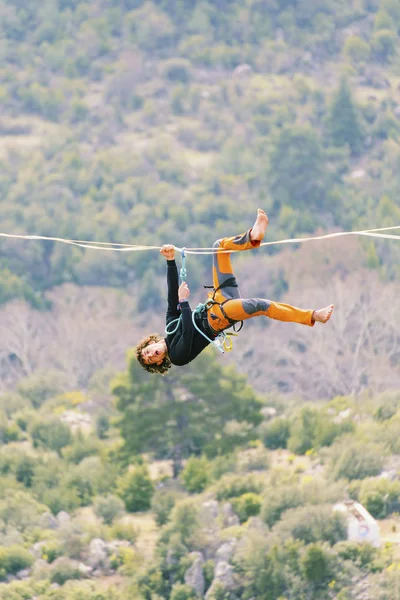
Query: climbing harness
(222, 340)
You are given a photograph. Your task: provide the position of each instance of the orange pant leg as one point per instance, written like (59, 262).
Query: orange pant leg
(241, 309)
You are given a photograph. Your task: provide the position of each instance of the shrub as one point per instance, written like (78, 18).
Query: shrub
(108, 507)
(253, 459)
(81, 447)
(380, 496)
(177, 69)
(51, 434)
(184, 521)
(40, 387)
(222, 465)
(14, 559)
(208, 572)
(102, 426)
(124, 530)
(195, 475)
(276, 433)
(315, 564)
(279, 499)
(25, 469)
(51, 551)
(384, 44)
(232, 486)
(303, 430)
(136, 489)
(181, 591)
(162, 504)
(356, 49)
(64, 569)
(361, 554)
(247, 505)
(356, 461)
(312, 524)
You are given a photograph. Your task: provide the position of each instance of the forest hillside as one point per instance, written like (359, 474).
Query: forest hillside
(172, 121)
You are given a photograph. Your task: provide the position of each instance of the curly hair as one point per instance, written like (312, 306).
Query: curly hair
(150, 339)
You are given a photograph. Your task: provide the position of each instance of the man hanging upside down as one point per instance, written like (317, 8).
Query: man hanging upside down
(156, 353)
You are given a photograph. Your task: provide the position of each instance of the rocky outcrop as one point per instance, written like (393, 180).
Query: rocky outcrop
(223, 578)
(194, 576)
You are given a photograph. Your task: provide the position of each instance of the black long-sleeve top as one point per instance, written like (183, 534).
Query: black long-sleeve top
(186, 343)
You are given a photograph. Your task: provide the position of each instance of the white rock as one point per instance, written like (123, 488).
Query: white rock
(225, 552)
(48, 521)
(269, 412)
(210, 509)
(97, 554)
(358, 174)
(223, 577)
(230, 517)
(63, 517)
(242, 71)
(23, 574)
(194, 576)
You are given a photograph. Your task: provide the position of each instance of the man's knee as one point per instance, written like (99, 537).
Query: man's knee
(255, 305)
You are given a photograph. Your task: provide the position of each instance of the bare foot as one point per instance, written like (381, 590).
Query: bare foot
(323, 314)
(260, 226)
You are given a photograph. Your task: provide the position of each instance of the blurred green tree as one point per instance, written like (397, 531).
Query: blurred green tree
(343, 123)
(186, 411)
(298, 177)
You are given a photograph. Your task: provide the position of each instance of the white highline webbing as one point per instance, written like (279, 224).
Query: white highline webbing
(117, 247)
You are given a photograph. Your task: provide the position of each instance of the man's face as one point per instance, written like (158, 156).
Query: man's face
(154, 353)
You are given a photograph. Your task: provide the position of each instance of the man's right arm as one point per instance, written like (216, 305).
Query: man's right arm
(173, 285)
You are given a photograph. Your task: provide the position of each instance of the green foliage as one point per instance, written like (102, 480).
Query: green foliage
(275, 434)
(124, 530)
(246, 506)
(63, 569)
(51, 551)
(40, 387)
(178, 70)
(232, 486)
(108, 507)
(14, 559)
(356, 49)
(181, 591)
(102, 426)
(195, 475)
(297, 169)
(82, 446)
(25, 469)
(136, 489)
(269, 568)
(279, 499)
(162, 504)
(383, 20)
(362, 554)
(312, 428)
(151, 28)
(312, 524)
(11, 286)
(315, 564)
(344, 126)
(383, 44)
(356, 460)
(380, 496)
(184, 521)
(155, 419)
(19, 509)
(51, 433)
